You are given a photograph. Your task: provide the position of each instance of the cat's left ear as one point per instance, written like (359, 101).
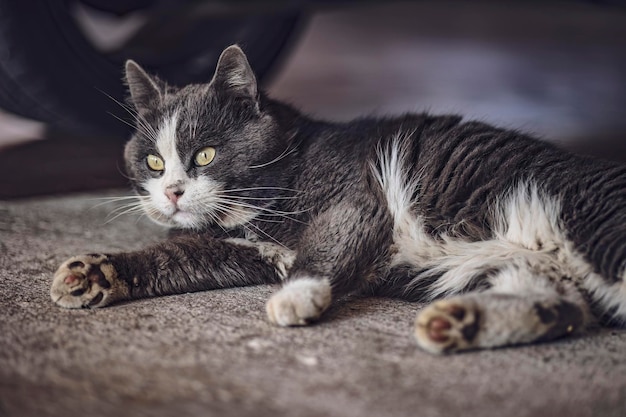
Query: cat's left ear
(234, 75)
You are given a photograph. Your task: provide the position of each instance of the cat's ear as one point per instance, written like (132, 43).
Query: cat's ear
(145, 91)
(233, 74)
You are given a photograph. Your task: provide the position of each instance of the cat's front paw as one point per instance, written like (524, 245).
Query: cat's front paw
(448, 325)
(299, 302)
(86, 281)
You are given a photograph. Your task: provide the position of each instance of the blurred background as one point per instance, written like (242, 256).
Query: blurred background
(554, 68)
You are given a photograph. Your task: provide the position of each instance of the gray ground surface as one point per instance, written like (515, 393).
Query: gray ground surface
(214, 354)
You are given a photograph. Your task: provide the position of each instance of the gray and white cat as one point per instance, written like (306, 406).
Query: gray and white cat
(520, 241)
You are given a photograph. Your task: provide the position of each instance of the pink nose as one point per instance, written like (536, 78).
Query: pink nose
(174, 194)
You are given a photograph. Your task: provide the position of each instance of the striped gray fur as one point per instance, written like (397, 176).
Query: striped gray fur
(519, 240)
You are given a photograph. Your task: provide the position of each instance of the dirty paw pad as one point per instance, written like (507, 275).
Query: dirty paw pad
(447, 326)
(85, 281)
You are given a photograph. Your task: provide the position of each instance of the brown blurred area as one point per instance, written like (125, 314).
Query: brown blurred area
(555, 69)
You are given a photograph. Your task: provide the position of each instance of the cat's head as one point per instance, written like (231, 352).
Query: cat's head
(201, 154)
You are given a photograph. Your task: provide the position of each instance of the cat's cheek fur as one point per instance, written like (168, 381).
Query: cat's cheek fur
(300, 302)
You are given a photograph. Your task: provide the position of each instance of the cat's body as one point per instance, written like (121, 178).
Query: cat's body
(524, 241)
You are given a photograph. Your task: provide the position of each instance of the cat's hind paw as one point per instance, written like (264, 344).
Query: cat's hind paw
(86, 281)
(448, 325)
(299, 302)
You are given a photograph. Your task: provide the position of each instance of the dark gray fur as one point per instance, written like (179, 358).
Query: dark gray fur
(340, 226)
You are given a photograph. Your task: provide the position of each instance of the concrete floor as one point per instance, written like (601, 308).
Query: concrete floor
(214, 353)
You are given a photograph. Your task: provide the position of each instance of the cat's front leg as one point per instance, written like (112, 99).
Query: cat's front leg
(338, 253)
(182, 264)
(300, 302)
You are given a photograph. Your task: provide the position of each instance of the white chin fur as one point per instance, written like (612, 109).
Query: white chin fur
(186, 220)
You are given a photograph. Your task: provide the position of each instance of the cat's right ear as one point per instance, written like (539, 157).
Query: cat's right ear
(145, 91)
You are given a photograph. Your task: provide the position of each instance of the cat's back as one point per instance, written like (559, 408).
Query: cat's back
(335, 159)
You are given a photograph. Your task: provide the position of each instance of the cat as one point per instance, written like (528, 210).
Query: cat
(509, 239)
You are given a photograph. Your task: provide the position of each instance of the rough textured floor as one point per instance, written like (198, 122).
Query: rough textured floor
(214, 353)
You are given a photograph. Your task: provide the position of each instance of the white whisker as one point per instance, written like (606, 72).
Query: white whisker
(126, 206)
(131, 210)
(140, 123)
(111, 200)
(288, 151)
(136, 205)
(268, 211)
(255, 198)
(260, 188)
(248, 223)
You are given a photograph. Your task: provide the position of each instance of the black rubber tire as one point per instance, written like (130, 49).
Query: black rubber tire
(50, 72)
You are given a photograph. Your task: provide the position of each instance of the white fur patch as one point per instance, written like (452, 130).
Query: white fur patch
(396, 183)
(175, 173)
(158, 206)
(528, 247)
(609, 296)
(299, 302)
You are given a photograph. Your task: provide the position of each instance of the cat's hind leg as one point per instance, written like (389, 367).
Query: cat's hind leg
(486, 320)
(532, 309)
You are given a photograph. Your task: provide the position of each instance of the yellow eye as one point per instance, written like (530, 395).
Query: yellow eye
(155, 163)
(204, 156)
